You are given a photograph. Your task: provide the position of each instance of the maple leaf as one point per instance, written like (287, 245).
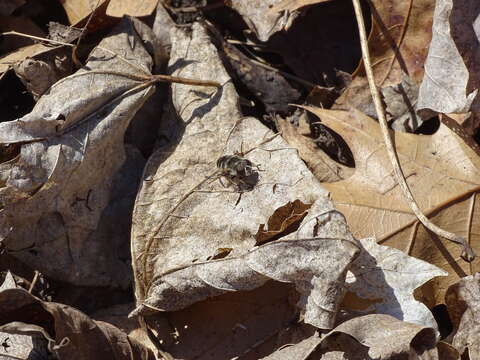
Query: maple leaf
(444, 176)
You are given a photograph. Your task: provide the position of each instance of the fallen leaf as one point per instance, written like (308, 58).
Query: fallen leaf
(182, 213)
(300, 351)
(262, 22)
(69, 333)
(267, 85)
(243, 323)
(320, 164)
(119, 8)
(452, 76)
(284, 220)
(398, 43)
(384, 336)
(443, 174)
(401, 105)
(78, 10)
(23, 341)
(54, 193)
(387, 277)
(463, 303)
(291, 5)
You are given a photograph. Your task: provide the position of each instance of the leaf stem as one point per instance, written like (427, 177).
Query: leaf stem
(467, 253)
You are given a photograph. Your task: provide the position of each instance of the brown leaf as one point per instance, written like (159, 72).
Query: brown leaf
(54, 193)
(398, 42)
(384, 336)
(269, 86)
(246, 324)
(320, 164)
(78, 10)
(70, 334)
(119, 8)
(463, 303)
(183, 213)
(291, 5)
(262, 22)
(284, 220)
(443, 174)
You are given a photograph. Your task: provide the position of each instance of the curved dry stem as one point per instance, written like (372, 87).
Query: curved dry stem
(467, 253)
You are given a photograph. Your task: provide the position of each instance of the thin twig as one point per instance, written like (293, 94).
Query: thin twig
(37, 38)
(84, 29)
(34, 281)
(467, 253)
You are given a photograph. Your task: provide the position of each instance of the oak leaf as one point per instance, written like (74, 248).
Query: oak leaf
(444, 176)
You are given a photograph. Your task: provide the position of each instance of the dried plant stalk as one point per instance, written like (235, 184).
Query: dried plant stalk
(467, 253)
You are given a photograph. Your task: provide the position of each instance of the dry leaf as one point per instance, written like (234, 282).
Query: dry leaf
(7, 61)
(119, 8)
(401, 105)
(78, 10)
(269, 86)
(176, 229)
(452, 76)
(398, 43)
(248, 324)
(260, 20)
(300, 351)
(384, 336)
(291, 5)
(387, 278)
(69, 333)
(463, 302)
(320, 164)
(23, 341)
(443, 174)
(55, 191)
(285, 220)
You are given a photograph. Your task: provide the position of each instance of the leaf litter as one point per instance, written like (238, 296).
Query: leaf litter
(237, 249)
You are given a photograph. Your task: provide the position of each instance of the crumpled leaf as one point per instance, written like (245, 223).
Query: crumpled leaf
(269, 87)
(54, 192)
(320, 164)
(175, 229)
(260, 20)
(443, 174)
(398, 43)
(387, 277)
(69, 333)
(384, 336)
(22, 341)
(463, 303)
(450, 83)
(401, 105)
(284, 220)
(38, 76)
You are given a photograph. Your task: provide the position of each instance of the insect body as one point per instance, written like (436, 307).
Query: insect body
(238, 170)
